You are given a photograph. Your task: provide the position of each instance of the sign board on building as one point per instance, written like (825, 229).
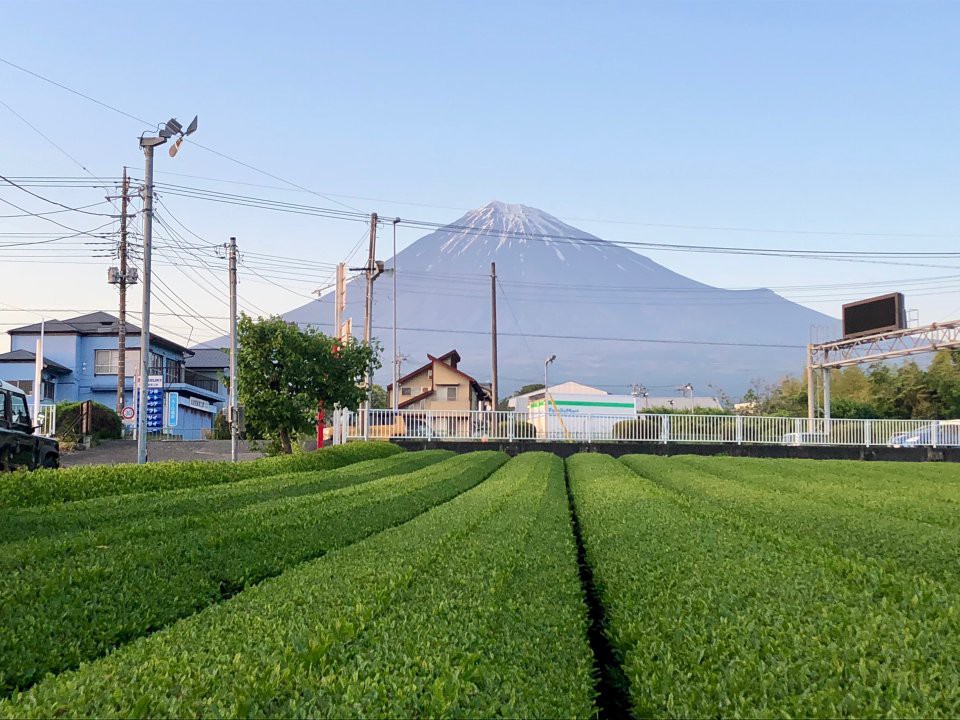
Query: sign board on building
(198, 404)
(173, 409)
(155, 381)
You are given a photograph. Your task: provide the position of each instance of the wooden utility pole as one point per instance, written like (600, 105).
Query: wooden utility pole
(122, 329)
(493, 331)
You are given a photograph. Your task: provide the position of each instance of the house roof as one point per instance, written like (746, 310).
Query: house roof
(208, 358)
(20, 356)
(97, 323)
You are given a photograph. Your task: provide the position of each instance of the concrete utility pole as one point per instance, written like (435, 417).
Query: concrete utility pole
(493, 332)
(122, 327)
(147, 144)
(396, 348)
(234, 409)
(811, 391)
(368, 318)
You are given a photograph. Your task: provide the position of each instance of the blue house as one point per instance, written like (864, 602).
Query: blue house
(80, 363)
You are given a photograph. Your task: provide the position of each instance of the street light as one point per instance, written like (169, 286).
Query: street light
(147, 144)
(546, 364)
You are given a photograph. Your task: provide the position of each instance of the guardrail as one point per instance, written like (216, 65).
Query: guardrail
(485, 425)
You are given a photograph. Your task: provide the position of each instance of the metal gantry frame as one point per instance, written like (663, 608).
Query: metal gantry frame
(822, 357)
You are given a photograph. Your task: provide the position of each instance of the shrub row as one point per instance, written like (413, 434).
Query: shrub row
(473, 609)
(40, 487)
(56, 614)
(33, 535)
(753, 492)
(887, 488)
(715, 614)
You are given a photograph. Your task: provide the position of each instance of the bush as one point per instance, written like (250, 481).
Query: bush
(105, 424)
(142, 583)
(42, 487)
(521, 429)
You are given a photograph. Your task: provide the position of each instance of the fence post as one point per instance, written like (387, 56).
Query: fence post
(739, 429)
(664, 428)
(935, 433)
(868, 432)
(429, 424)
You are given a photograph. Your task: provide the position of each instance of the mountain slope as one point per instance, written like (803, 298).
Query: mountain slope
(559, 287)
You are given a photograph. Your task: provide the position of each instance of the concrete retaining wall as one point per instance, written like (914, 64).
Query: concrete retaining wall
(810, 452)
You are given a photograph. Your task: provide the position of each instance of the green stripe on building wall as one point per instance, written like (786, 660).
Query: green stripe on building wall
(583, 403)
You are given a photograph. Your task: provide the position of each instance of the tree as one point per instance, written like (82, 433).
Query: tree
(379, 398)
(502, 405)
(284, 374)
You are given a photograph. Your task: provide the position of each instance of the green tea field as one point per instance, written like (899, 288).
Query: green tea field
(364, 581)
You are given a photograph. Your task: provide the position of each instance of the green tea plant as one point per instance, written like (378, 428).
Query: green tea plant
(43, 487)
(105, 596)
(473, 609)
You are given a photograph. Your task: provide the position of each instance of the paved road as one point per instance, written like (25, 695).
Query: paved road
(112, 452)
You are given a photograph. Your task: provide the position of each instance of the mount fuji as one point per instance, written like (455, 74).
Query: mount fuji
(613, 317)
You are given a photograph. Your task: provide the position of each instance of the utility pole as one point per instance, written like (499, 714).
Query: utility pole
(368, 318)
(493, 332)
(234, 410)
(148, 144)
(811, 391)
(396, 348)
(122, 327)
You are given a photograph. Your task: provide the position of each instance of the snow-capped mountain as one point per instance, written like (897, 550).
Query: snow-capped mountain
(612, 316)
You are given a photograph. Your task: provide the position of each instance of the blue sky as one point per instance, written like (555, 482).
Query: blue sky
(815, 116)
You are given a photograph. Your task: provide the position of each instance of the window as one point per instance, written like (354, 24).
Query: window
(25, 385)
(3, 408)
(105, 362)
(406, 391)
(173, 372)
(48, 390)
(452, 393)
(18, 410)
(156, 364)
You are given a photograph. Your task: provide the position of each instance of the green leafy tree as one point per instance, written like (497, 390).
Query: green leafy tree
(502, 405)
(285, 374)
(379, 398)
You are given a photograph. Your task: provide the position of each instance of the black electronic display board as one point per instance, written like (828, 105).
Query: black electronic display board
(874, 316)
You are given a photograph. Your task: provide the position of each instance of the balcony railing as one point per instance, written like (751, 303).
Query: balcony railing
(201, 381)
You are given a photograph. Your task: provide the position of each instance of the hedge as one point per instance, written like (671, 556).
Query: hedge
(717, 612)
(56, 614)
(473, 609)
(41, 487)
(33, 534)
(105, 424)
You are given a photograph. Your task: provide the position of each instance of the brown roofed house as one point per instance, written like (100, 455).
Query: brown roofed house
(445, 390)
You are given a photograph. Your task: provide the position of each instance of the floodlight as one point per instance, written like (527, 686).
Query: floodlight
(173, 127)
(192, 127)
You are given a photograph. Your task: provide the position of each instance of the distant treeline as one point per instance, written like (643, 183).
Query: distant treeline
(882, 391)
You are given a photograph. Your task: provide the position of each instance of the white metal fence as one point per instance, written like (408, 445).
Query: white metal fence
(740, 429)
(47, 420)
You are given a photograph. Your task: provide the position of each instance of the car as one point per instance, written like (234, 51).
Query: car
(948, 434)
(20, 446)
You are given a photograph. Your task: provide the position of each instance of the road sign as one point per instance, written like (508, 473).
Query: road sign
(173, 409)
(128, 413)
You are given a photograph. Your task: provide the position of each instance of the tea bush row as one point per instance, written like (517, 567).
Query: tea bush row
(473, 609)
(41, 487)
(55, 614)
(715, 613)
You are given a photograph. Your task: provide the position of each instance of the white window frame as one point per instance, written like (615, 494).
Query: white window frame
(454, 388)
